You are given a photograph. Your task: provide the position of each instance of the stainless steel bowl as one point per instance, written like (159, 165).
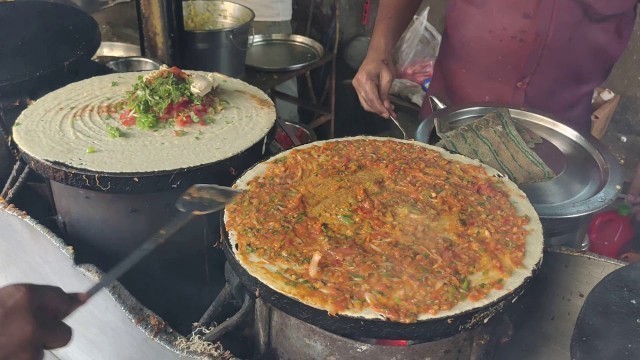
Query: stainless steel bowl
(304, 134)
(134, 63)
(116, 49)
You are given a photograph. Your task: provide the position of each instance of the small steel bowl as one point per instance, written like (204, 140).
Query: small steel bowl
(134, 63)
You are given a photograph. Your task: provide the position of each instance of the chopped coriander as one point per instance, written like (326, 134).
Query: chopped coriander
(356, 276)
(114, 132)
(91, 150)
(465, 285)
(16, 124)
(224, 102)
(149, 99)
(197, 137)
(114, 83)
(347, 219)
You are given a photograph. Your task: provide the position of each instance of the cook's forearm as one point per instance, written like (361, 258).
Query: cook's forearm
(391, 21)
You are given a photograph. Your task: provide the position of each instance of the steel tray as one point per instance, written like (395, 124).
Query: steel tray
(589, 176)
(281, 52)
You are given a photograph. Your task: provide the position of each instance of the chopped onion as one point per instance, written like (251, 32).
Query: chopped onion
(313, 265)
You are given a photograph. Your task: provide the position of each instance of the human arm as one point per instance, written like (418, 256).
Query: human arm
(375, 76)
(31, 320)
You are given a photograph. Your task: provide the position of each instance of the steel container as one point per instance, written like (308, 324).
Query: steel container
(215, 36)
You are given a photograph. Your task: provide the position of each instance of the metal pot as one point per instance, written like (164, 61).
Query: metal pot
(215, 37)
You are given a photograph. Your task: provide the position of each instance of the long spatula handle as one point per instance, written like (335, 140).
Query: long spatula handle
(143, 250)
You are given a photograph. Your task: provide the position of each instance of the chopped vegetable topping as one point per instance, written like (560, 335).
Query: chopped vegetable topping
(114, 83)
(170, 94)
(113, 132)
(91, 150)
(397, 227)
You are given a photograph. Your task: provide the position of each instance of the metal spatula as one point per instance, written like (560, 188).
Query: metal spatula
(200, 199)
(404, 133)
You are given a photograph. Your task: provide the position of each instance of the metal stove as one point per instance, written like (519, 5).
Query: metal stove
(273, 334)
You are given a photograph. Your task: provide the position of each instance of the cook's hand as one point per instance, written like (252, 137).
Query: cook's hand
(373, 83)
(31, 320)
(634, 201)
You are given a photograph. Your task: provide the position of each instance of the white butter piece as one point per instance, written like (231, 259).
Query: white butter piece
(200, 85)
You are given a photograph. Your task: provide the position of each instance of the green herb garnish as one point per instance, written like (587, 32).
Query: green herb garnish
(347, 219)
(465, 285)
(149, 99)
(91, 150)
(113, 132)
(114, 83)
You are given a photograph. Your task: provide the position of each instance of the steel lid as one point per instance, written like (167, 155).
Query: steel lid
(588, 177)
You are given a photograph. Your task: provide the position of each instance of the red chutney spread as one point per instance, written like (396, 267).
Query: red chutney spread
(362, 226)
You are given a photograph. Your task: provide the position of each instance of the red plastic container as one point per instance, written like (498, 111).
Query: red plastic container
(610, 232)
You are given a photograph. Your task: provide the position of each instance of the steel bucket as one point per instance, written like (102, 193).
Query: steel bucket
(215, 37)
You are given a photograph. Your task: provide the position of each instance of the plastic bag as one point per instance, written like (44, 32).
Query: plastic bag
(417, 50)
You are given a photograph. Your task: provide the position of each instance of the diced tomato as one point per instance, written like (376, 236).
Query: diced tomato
(184, 120)
(177, 72)
(126, 119)
(199, 110)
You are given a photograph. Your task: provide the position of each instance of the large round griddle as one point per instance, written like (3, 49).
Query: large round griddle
(60, 162)
(221, 172)
(358, 327)
(40, 41)
(608, 326)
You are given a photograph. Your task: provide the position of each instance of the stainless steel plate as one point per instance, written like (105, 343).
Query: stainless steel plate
(116, 49)
(280, 52)
(589, 176)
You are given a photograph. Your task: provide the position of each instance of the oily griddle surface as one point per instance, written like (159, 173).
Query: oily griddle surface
(608, 326)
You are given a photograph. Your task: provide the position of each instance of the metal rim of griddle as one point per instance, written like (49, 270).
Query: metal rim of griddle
(311, 45)
(87, 32)
(609, 170)
(355, 327)
(148, 182)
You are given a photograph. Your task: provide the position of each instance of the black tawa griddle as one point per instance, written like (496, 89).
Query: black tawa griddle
(608, 326)
(41, 42)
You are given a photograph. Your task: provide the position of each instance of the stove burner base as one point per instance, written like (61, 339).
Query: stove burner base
(285, 337)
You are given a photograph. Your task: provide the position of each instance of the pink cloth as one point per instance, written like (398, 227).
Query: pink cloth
(548, 55)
